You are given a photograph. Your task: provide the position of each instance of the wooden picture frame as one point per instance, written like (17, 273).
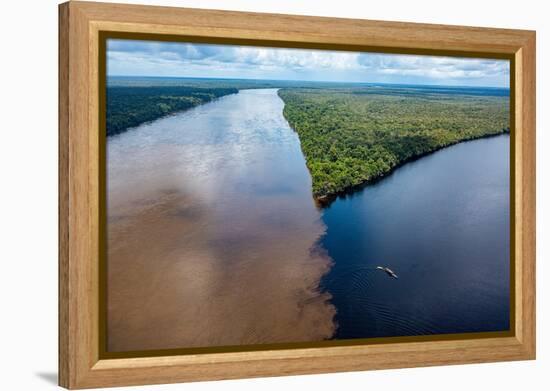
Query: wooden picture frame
(81, 24)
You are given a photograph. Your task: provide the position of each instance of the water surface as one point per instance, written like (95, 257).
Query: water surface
(442, 224)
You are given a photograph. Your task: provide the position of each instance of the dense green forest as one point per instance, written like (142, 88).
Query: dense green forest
(355, 135)
(129, 106)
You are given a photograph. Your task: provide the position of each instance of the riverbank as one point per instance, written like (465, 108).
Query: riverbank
(325, 201)
(128, 107)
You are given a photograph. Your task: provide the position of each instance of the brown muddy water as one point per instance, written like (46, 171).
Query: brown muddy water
(212, 231)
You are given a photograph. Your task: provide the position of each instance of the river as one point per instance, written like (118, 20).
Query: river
(212, 231)
(214, 239)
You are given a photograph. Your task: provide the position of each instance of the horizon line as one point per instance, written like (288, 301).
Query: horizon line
(309, 81)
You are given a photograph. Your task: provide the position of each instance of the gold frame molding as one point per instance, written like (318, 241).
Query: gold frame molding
(83, 28)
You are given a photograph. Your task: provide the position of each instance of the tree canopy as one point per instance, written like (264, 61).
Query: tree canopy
(352, 136)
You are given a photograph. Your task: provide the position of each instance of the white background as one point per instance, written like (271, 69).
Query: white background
(28, 207)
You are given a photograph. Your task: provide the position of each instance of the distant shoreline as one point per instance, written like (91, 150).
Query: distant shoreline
(165, 116)
(131, 107)
(335, 82)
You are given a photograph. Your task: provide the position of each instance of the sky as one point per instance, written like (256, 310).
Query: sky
(150, 58)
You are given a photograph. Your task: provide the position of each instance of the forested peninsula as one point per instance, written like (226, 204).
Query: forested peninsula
(351, 137)
(129, 106)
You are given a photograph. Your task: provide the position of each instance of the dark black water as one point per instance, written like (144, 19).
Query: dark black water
(442, 224)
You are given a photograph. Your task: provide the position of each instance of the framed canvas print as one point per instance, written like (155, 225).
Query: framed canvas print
(251, 195)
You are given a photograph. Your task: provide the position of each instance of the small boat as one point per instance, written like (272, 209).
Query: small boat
(388, 271)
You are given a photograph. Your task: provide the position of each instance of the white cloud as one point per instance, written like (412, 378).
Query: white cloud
(434, 67)
(126, 57)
